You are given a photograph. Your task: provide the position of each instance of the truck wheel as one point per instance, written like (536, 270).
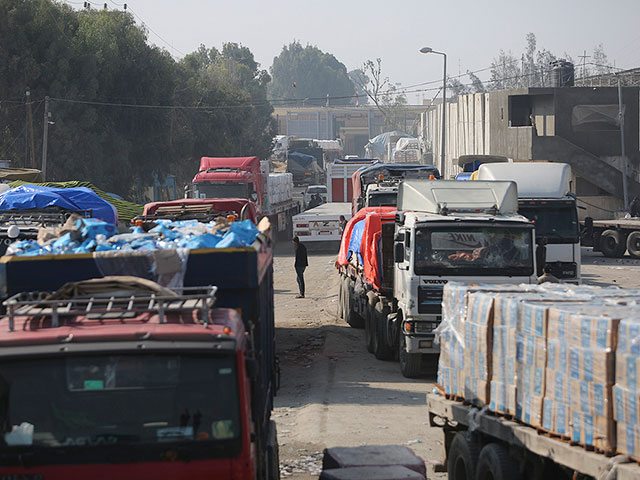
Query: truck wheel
(341, 298)
(612, 244)
(633, 244)
(351, 316)
(369, 321)
(462, 457)
(495, 463)
(381, 347)
(273, 455)
(410, 363)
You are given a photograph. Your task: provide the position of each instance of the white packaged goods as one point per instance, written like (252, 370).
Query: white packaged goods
(553, 356)
(279, 187)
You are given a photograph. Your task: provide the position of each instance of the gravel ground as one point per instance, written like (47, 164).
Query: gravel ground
(334, 393)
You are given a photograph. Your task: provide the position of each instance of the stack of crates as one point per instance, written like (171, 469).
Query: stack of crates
(626, 392)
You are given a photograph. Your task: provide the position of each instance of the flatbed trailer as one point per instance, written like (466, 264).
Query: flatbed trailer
(468, 431)
(612, 237)
(320, 226)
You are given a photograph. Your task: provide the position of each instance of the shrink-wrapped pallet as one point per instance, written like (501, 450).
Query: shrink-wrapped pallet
(626, 391)
(465, 365)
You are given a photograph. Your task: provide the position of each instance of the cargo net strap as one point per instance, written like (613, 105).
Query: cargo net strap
(166, 267)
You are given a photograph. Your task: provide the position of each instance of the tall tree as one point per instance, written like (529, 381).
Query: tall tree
(105, 82)
(383, 94)
(505, 71)
(308, 75)
(601, 65)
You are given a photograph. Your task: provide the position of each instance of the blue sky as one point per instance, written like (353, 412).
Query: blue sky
(470, 32)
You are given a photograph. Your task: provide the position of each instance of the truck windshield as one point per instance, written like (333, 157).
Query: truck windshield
(553, 223)
(222, 190)
(77, 403)
(477, 251)
(383, 199)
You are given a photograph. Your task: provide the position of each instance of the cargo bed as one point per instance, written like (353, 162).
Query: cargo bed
(454, 416)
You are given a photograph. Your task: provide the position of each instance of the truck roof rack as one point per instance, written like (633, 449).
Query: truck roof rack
(445, 197)
(111, 306)
(39, 217)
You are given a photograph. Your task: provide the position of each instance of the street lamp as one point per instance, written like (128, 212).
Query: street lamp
(444, 105)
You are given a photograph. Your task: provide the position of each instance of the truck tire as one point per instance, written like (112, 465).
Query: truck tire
(273, 454)
(462, 457)
(633, 244)
(351, 316)
(381, 347)
(341, 298)
(369, 329)
(612, 244)
(410, 363)
(495, 463)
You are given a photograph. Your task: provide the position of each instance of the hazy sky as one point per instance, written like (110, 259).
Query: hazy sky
(470, 32)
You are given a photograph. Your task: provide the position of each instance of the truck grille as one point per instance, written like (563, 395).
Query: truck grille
(430, 299)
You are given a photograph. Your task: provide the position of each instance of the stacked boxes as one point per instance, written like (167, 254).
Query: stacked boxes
(466, 356)
(279, 187)
(626, 393)
(547, 355)
(592, 341)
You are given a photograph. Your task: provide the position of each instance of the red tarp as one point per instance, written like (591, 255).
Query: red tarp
(369, 250)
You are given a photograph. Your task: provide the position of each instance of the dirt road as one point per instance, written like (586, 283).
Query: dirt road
(334, 393)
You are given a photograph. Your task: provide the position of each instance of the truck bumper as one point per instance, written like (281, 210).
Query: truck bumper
(421, 344)
(419, 333)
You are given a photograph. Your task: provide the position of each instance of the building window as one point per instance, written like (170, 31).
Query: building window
(594, 118)
(520, 111)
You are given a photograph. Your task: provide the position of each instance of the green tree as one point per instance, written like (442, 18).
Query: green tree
(308, 75)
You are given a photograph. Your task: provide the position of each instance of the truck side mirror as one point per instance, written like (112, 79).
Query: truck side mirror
(398, 253)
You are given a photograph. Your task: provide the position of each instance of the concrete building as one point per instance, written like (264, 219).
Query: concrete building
(574, 125)
(354, 125)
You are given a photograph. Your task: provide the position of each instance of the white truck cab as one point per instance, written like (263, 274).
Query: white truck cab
(544, 197)
(459, 231)
(381, 195)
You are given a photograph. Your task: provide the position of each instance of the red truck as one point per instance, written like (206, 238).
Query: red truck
(248, 178)
(113, 378)
(202, 209)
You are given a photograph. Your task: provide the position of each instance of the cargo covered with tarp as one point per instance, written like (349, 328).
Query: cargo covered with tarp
(361, 237)
(126, 210)
(34, 197)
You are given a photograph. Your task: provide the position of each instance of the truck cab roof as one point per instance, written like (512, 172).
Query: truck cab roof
(534, 179)
(444, 197)
(122, 320)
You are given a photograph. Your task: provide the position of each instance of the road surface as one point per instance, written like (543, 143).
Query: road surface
(334, 393)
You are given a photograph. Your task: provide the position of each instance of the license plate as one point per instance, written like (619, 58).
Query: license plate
(307, 173)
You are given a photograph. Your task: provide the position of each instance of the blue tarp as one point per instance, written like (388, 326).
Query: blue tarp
(29, 197)
(356, 239)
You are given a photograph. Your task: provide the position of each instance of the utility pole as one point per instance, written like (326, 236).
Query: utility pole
(45, 138)
(625, 192)
(27, 99)
(584, 57)
(33, 143)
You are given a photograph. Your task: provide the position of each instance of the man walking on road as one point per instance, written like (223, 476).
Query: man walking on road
(300, 264)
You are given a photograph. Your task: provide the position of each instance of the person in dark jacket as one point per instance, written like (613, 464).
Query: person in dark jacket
(300, 264)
